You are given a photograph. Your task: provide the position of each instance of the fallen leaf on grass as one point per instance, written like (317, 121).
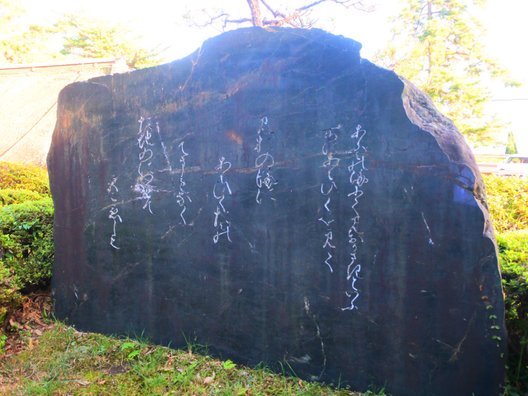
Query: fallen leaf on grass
(82, 382)
(169, 363)
(209, 380)
(14, 324)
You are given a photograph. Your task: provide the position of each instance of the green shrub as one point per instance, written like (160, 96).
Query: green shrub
(11, 196)
(508, 202)
(513, 255)
(26, 241)
(10, 300)
(24, 177)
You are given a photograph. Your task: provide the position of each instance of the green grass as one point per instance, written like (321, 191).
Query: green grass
(65, 362)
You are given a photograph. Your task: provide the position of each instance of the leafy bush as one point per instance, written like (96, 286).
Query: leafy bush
(513, 254)
(26, 241)
(24, 177)
(11, 196)
(508, 202)
(26, 238)
(10, 299)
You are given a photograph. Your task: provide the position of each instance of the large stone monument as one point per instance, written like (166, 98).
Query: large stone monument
(278, 198)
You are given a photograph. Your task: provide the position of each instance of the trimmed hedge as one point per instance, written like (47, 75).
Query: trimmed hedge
(9, 196)
(26, 241)
(513, 258)
(507, 201)
(26, 236)
(10, 297)
(24, 177)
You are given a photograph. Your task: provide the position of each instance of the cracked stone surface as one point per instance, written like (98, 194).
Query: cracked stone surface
(278, 198)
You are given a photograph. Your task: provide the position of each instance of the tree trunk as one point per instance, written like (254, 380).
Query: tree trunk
(256, 17)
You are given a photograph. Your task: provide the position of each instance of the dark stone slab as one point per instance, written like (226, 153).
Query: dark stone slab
(278, 198)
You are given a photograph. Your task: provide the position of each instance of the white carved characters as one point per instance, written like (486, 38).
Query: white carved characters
(221, 221)
(264, 163)
(328, 188)
(357, 179)
(113, 213)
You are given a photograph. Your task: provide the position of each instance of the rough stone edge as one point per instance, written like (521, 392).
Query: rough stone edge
(419, 108)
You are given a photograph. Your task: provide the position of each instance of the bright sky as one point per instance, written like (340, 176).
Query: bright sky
(162, 23)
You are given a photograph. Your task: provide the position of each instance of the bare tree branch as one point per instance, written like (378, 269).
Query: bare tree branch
(274, 12)
(256, 16)
(213, 19)
(357, 4)
(295, 18)
(311, 5)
